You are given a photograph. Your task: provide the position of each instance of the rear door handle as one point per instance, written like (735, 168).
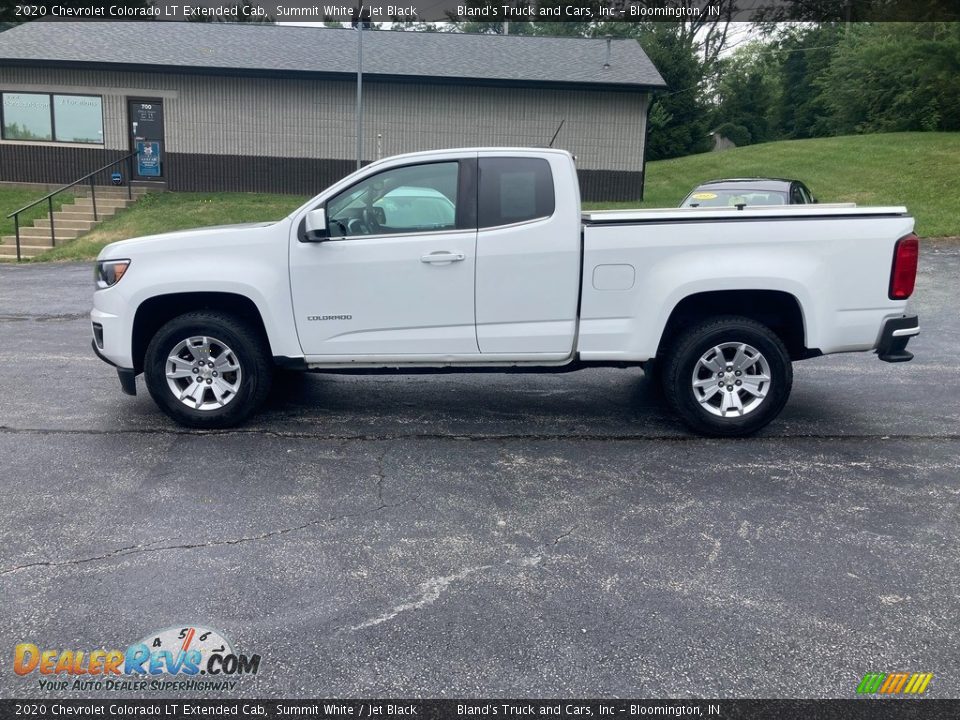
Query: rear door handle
(442, 256)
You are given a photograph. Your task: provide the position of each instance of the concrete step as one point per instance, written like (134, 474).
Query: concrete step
(44, 234)
(108, 190)
(61, 222)
(83, 214)
(10, 251)
(101, 203)
(69, 223)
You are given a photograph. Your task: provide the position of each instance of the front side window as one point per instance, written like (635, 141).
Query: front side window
(414, 198)
(59, 118)
(514, 190)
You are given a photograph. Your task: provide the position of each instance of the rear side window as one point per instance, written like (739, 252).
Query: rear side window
(514, 190)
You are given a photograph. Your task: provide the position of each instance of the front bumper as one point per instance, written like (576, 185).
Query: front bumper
(894, 337)
(127, 376)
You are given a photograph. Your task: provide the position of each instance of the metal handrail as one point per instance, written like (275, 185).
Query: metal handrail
(93, 198)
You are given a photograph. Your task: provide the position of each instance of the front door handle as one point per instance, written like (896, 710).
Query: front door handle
(442, 256)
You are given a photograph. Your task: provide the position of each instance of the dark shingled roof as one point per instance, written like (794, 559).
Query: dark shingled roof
(265, 49)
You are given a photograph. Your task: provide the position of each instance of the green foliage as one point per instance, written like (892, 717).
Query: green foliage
(803, 55)
(889, 77)
(747, 89)
(678, 120)
(825, 79)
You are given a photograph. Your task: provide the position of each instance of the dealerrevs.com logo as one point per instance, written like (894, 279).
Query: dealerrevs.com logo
(897, 683)
(176, 658)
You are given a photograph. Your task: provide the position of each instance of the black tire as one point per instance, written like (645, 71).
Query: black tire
(697, 342)
(246, 344)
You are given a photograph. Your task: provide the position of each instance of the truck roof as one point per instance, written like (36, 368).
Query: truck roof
(470, 150)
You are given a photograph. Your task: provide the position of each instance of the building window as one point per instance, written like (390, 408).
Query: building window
(26, 116)
(78, 118)
(60, 118)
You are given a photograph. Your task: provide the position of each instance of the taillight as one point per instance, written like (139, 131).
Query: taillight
(903, 276)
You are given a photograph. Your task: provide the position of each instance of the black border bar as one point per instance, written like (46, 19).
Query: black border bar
(866, 708)
(483, 11)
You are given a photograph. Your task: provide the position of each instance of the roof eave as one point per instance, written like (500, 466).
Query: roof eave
(319, 74)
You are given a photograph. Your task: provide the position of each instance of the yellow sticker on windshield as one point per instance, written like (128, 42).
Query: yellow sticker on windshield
(704, 196)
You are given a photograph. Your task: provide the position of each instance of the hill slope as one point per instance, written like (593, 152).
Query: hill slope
(919, 170)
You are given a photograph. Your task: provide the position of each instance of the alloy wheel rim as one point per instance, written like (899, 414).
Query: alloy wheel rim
(731, 379)
(203, 373)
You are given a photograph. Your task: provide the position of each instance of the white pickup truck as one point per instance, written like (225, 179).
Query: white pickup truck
(480, 260)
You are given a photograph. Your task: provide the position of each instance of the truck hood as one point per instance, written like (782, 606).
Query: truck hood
(214, 237)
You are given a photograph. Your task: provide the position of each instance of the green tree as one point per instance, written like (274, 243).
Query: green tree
(802, 55)
(746, 92)
(678, 117)
(889, 77)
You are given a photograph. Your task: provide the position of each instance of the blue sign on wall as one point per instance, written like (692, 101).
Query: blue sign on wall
(148, 159)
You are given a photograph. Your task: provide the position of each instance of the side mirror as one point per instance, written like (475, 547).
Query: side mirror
(315, 226)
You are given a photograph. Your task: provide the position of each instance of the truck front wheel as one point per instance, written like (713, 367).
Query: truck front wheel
(207, 370)
(728, 376)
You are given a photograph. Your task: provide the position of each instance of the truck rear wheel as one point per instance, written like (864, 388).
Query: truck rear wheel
(728, 376)
(207, 370)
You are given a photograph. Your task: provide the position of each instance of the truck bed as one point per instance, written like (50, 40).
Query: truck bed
(667, 215)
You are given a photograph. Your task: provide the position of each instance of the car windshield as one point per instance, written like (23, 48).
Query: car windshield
(729, 198)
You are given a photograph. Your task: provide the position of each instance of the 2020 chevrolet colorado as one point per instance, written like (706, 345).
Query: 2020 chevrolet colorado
(480, 259)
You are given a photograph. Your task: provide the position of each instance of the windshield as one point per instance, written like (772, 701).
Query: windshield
(730, 198)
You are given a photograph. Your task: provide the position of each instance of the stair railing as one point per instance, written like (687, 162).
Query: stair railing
(93, 198)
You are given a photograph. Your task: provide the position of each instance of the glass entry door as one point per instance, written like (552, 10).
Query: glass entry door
(146, 138)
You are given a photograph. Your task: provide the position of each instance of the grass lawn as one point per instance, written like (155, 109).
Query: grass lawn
(165, 212)
(919, 170)
(15, 198)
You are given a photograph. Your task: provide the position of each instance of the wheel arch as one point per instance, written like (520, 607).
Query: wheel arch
(779, 310)
(156, 311)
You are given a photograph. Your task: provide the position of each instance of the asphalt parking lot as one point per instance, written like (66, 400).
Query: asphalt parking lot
(488, 535)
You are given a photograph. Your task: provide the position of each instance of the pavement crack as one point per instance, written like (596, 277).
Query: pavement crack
(567, 534)
(429, 592)
(146, 548)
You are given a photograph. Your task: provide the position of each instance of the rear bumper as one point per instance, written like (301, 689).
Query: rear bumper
(894, 337)
(127, 376)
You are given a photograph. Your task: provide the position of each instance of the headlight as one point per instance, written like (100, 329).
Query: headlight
(109, 272)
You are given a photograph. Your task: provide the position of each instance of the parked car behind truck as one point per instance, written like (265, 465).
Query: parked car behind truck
(749, 191)
(490, 265)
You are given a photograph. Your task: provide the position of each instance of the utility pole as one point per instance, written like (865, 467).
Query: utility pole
(359, 93)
